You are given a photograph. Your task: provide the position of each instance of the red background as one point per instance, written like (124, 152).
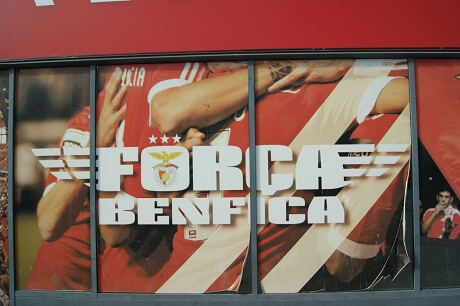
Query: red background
(81, 28)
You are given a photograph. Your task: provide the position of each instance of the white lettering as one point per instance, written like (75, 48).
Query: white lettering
(330, 207)
(222, 209)
(212, 164)
(110, 168)
(266, 182)
(150, 211)
(116, 211)
(277, 210)
(197, 212)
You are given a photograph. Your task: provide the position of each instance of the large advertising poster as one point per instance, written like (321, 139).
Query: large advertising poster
(4, 252)
(438, 98)
(332, 148)
(52, 230)
(162, 208)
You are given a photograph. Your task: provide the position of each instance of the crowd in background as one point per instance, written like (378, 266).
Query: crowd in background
(4, 262)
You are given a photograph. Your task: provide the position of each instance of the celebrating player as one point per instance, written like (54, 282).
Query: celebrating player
(385, 93)
(64, 258)
(181, 102)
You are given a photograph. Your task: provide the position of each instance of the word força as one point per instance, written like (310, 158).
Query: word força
(167, 168)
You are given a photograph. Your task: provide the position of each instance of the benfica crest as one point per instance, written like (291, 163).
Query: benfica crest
(165, 173)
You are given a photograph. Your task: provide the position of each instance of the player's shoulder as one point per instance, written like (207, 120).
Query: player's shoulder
(428, 213)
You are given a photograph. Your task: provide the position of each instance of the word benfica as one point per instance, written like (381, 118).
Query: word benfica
(216, 168)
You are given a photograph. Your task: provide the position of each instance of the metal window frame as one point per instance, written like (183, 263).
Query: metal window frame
(416, 296)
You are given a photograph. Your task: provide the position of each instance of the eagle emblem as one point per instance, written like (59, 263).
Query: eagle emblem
(165, 172)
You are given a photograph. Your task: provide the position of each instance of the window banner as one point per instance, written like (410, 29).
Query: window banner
(170, 178)
(332, 147)
(438, 97)
(52, 245)
(336, 174)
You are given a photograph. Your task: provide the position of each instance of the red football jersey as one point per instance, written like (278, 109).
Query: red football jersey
(366, 238)
(143, 82)
(65, 264)
(438, 227)
(291, 108)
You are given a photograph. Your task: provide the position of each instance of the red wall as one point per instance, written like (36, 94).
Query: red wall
(79, 28)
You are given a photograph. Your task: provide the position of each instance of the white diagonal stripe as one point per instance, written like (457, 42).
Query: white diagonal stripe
(44, 2)
(215, 255)
(78, 163)
(377, 171)
(61, 175)
(398, 148)
(47, 152)
(386, 160)
(297, 267)
(76, 151)
(52, 163)
(194, 71)
(185, 71)
(81, 175)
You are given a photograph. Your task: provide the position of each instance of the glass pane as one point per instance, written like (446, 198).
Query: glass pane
(164, 227)
(4, 262)
(334, 147)
(51, 166)
(438, 98)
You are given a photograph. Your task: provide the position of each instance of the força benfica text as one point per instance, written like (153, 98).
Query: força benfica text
(215, 168)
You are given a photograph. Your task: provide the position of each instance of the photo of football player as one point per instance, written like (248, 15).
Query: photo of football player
(442, 221)
(192, 104)
(386, 92)
(64, 259)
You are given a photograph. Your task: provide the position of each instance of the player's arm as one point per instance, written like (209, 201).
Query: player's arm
(314, 71)
(393, 98)
(209, 101)
(428, 222)
(60, 206)
(343, 267)
(116, 235)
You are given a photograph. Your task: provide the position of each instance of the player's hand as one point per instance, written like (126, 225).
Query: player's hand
(439, 208)
(111, 114)
(313, 71)
(192, 138)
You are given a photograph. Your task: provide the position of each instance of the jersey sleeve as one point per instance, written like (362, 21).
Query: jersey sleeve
(368, 68)
(427, 214)
(76, 135)
(175, 75)
(366, 238)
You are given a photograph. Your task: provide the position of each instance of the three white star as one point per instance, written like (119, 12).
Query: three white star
(176, 138)
(153, 139)
(164, 139)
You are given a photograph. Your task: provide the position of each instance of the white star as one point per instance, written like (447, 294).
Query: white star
(153, 139)
(164, 139)
(176, 138)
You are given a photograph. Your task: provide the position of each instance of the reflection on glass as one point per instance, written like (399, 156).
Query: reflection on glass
(438, 92)
(51, 197)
